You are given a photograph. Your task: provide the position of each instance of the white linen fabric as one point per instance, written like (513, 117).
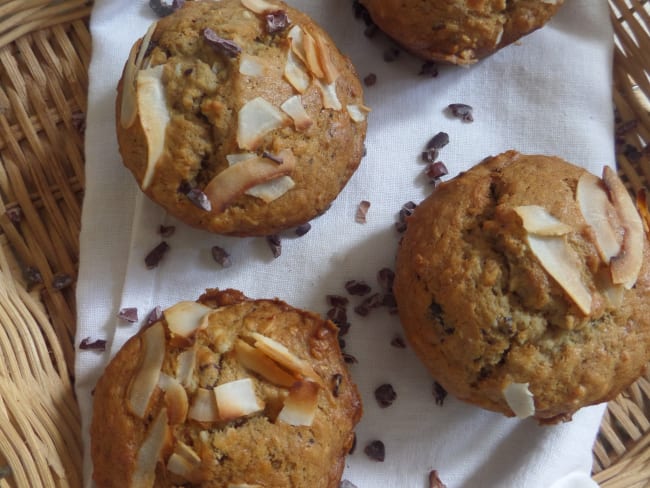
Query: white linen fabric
(550, 93)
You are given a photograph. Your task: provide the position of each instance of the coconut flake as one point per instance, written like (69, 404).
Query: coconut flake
(175, 398)
(328, 92)
(204, 406)
(520, 399)
(150, 452)
(330, 73)
(281, 355)
(235, 180)
(311, 55)
(599, 213)
(538, 221)
(186, 362)
(251, 65)
(145, 380)
(295, 74)
(259, 6)
(237, 399)
(272, 190)
(301, 404)
(257, 362)
(294, 108)
(296, 37)
(256, 118)
(557, 259)
(185, 318)
(154, 116)
(358, 112)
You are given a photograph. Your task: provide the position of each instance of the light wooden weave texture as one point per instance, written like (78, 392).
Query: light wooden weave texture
(44, 53)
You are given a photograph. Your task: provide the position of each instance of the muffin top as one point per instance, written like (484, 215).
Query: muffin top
(459, 31)
(226, 392)
(523, 285)
(240, 116)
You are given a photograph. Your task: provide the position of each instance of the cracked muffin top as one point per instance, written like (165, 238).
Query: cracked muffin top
(459, 31)
(523, 284)
(240, 117)
(226, 392)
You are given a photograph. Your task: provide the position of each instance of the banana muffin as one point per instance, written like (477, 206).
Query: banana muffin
(459, 31)
(240, 117)
(523, 285)
(226, 392)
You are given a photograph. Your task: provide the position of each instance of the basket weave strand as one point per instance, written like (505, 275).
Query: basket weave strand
(45, 49)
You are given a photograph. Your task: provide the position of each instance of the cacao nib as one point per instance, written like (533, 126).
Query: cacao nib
(429, 69)
(15, 214)
(154, 316)
(200, 199)
(96, 345)
(276, 21)
(61, 281)
(349, 358)
(33, 275)
(128, 314)
(462, 111)
(440, 140)
(398, 342)
(362, 211)
(156, 255)
(434, 480)
(391, 54)
(358, 288)
(337, 301)
(221, 256)
(166, 230)
(164, 8)
(376, 451)
(364, 308)
(439, 393)
(370, 79)
(273, 157)
(436, 170)
(385, 278)
(275, 245)
(220, 45)
(301, 230)
(79, 121)
(430, 155)
(385, 395)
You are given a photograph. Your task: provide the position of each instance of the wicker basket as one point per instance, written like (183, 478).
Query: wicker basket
(44, 54)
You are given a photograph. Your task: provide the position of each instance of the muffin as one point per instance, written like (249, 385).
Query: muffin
(226, 392)
(524, 286)
(240, 117)
(459, 31)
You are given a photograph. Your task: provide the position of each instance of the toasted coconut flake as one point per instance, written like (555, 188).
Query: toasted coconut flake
(272, 190)
(519, 399)
(295, 73)
(311, 56)
(599, 214)
(330, 98)
(358, 113)
(256, 118)
(296, 39)
(294, 108)
(538, 221)
(301, 404)
(642, 205)
(281, 355)
(626, 265)
(251, 65)
(330, 73)
(204, 406)
(257, 362)
(150, 452)
(154, 116)
(185, 318)
(259, 6)
(185, 365)
(145, 380)
(175, 399)
(234, 181)
(237, 399)
(557, 259)
(184, 462)
(238, 158)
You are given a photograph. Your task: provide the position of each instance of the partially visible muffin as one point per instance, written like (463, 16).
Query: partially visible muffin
(459, 31)
(240, 117)
(226, 392)
(523, 285)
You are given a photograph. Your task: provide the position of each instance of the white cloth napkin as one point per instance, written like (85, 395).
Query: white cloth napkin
(549, 93)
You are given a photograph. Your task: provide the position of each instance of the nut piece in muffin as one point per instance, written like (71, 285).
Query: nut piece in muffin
(459, 31)
(523, 285)
(226, 392)
(240, 117)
